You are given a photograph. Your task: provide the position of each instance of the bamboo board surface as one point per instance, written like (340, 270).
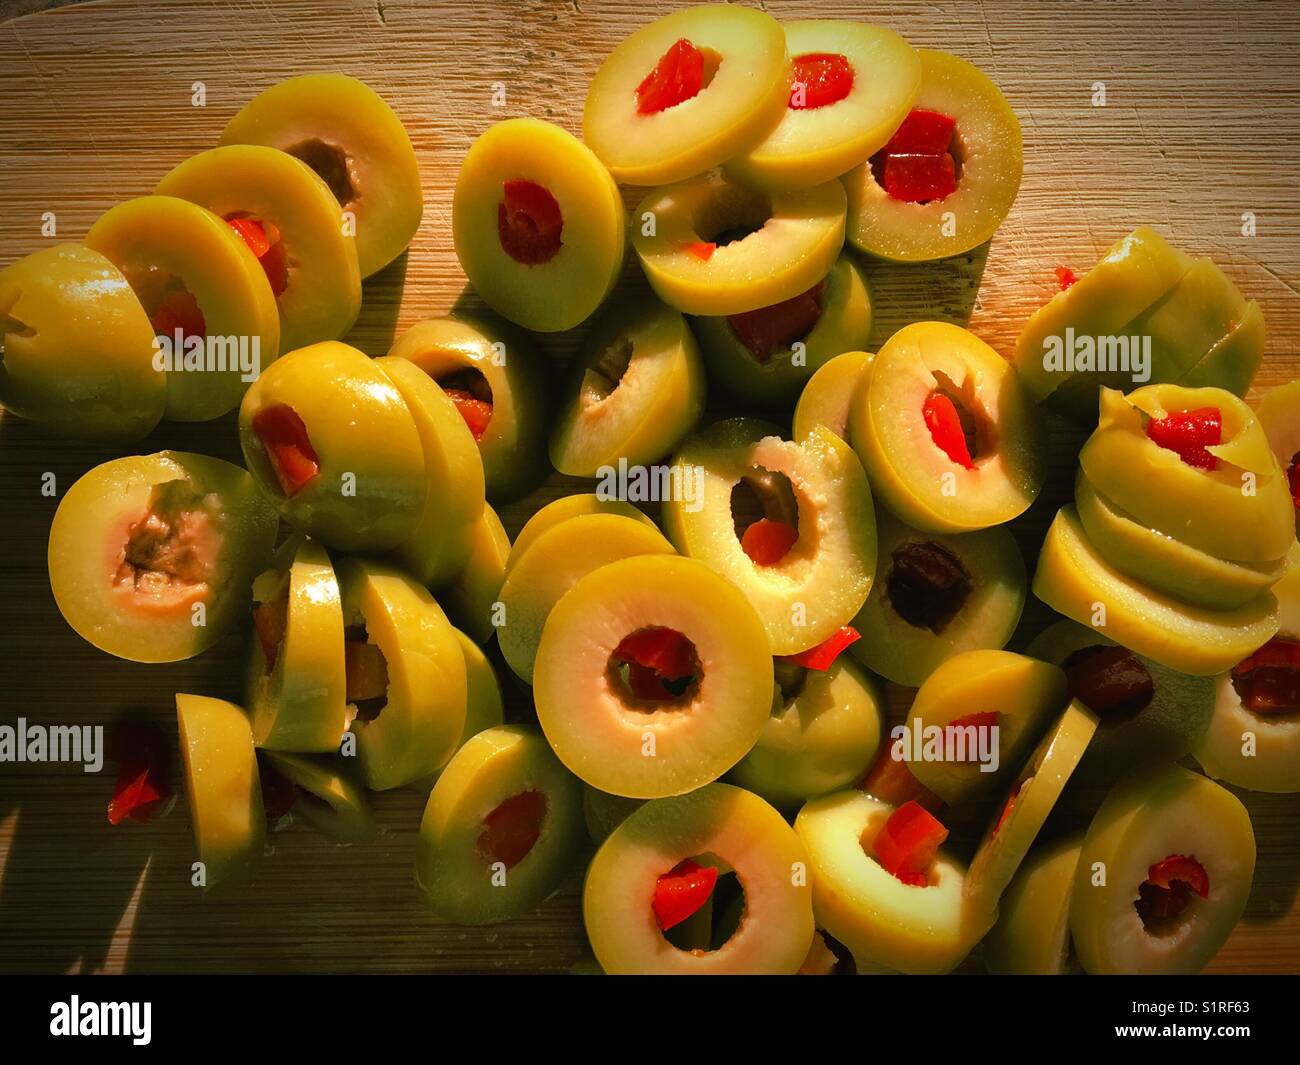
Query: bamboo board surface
(1201, 125)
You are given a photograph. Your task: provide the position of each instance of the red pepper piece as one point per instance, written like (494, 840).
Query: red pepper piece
(1065, 277)
(279, 793)
(1009, 805)
(920, 178)
(891, 781)
(646, 683)
(682, 891)
(529, 222)
(1269, 680)
(907, 843)
(1112, 682)
(476, 412)
(982, 720)
(284, 435)
(771, 329)
(766, 542)
(270, 620)
(253, 235)
(824, 654)
(1179, 867)
(1190, 433)
(922, 133)
(677, 77)
(512, 829)
(656, 657)
(663, 650)
(820, 78)
(143, 777)
(179, 310)
(263, 240)
(944, 423)
(1279, 652)
(700, 249)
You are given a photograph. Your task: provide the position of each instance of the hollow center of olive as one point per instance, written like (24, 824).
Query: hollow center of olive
(467, 379)
(716, 917)
(171, 550)
(512, 829)
(763, 493)
(331, 164)
(1293, 478)
(1110, 681)
(733, 217)
(655, 668)
(604, 376)
(927, 585)
(366, 671)
(845, 964)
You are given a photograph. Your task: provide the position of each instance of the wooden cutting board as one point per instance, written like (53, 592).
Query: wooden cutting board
(1201, 125)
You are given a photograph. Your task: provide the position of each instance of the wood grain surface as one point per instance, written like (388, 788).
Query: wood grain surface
(1201, 124)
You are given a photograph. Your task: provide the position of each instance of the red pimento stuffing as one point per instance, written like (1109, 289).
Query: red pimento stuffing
(766, 542)
(1169, 887)
(1009, 805)
(263, 240)
(678, 76)
(907, 843)
(944, 423)
(1112, 682)
(1190, 433)
(771, 329)
(922, 133)
(270, 620)
(529, 222)
(178, 310)
(820, 78)
(891, 781)
(143, 758)
(284, 435)
(823, 656)
(920, 178)
(983, 720)
(1269, 680)
(700, 249)
(512, 829)
(1180, 867)
(682, 891)
(1065, 277)
(476, 412)
(917, 164)
(658, 660)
